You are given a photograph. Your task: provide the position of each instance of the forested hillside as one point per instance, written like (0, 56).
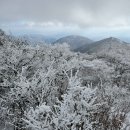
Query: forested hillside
(49, 87)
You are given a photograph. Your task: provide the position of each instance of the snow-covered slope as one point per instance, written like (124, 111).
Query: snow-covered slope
(74, 41)
(111, 47)
(48, 87)
(105, 45)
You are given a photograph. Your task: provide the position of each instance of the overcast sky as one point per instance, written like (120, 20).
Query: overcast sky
(91, 18)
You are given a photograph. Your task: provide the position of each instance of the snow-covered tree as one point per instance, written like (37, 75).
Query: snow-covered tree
(48, 87)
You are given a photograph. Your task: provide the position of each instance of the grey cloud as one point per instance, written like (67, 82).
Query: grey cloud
(79, 12)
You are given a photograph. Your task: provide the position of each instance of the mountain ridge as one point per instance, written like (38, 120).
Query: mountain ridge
(75, 41)
(102, 44)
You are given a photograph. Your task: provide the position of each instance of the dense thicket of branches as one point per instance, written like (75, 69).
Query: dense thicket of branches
(48, 87)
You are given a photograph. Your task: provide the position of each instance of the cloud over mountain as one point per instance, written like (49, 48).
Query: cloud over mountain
(59, 16)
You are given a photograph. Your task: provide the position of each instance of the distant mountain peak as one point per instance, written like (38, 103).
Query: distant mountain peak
(75, 41)
(74, 36)
(113, 39)
(106, 45)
